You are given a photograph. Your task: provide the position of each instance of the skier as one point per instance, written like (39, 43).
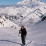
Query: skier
(23, 33)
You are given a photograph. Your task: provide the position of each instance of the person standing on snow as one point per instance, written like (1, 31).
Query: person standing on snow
(23, 33)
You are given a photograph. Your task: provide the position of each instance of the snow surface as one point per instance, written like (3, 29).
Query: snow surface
(36, 36)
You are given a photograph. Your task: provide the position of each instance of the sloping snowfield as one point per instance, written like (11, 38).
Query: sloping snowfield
(36, 36)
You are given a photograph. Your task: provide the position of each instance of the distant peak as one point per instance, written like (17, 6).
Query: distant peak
(27, 1)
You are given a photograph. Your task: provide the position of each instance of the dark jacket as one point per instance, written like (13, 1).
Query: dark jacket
(23, 32)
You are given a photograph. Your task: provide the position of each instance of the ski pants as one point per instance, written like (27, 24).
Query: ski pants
(23, 39)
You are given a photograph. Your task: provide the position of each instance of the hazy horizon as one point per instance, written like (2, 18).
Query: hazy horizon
(12, 2)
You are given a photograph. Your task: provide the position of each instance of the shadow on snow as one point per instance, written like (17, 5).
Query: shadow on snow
(14, 42)
(10, 41)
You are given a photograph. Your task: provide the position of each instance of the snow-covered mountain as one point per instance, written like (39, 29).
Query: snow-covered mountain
(36, 2)
(33, 10)
(5, 22)
(26, 12)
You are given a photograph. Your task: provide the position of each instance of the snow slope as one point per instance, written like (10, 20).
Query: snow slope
(36, 36)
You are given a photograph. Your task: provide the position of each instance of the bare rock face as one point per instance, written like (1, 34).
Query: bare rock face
(44, 18)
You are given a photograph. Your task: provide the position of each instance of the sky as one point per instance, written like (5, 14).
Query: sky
(8, 2)
(43, 0)
(11, 2)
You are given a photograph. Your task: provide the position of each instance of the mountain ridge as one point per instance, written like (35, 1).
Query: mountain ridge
(19, 13)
